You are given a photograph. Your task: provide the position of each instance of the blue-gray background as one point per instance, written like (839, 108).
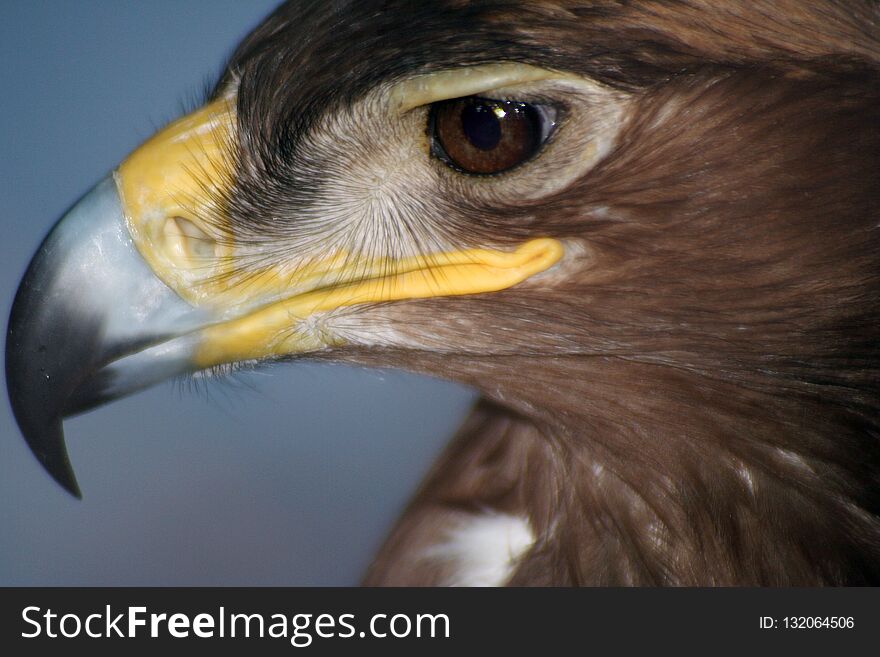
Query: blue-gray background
(290, 477)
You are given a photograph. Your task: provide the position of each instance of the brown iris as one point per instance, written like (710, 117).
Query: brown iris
(483, 136)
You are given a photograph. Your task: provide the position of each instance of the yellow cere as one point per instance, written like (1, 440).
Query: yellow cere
(166, 187)
(163, 188)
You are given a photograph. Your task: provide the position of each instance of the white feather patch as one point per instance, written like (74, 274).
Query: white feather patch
(482, 550)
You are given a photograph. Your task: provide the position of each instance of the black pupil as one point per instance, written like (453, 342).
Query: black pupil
(481, 125)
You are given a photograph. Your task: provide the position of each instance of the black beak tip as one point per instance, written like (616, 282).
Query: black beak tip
(47, 444)
(37, 392)
(56, 461)
(41, 428)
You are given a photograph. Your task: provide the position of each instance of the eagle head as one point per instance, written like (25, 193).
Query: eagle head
(646, 232)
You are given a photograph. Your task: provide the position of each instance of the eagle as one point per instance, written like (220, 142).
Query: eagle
(646, 232)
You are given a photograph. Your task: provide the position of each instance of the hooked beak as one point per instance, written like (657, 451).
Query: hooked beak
(133, 286)
(90, 323)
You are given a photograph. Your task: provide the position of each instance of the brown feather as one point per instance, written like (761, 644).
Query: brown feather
(699, 401)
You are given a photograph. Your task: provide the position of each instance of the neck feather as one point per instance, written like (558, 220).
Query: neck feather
(634, 473)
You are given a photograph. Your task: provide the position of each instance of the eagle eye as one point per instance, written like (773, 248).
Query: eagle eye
(483, 136)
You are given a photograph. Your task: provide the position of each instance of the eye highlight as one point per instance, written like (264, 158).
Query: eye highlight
(483, 136)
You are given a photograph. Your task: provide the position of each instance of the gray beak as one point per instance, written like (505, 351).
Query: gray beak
(90, 323)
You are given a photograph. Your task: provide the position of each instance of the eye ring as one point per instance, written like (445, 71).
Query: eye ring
(483, 136)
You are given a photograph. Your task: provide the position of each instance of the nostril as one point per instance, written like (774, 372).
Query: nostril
(188, 245)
